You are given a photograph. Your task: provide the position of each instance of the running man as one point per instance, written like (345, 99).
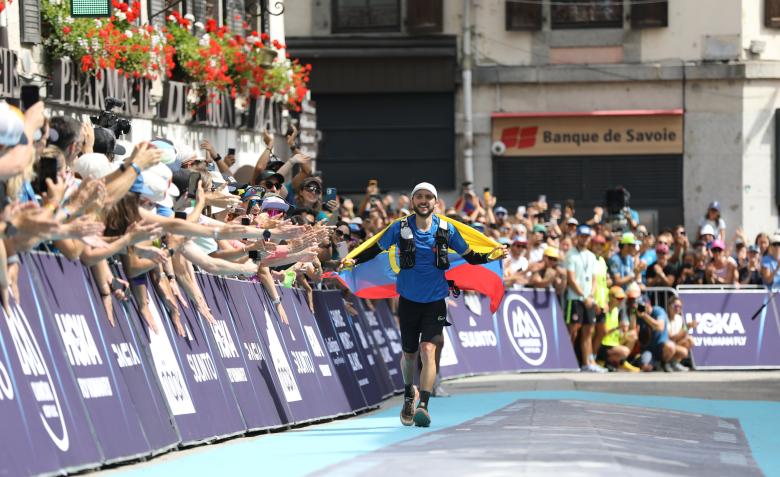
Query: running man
(423, 240)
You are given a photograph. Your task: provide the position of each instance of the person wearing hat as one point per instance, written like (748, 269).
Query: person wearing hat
(550, 275)
(571, 227)
(516, 264)
(308, 196)
(715, 221)
(105, 143)
(580, 312)
(423, 289)
(750, 274)
(707, 234)
(610, 350)
(623, 266)
(661, 273)
(538, 243)
(501, 226)
(769, 263)
(722, 269)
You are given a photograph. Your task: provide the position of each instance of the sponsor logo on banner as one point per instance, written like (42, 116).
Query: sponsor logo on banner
(281, 365)
(168, 371)
(525, 329)
(34, 366)
(478, 338)
(448, 356)
(82, 351)
(717, 329)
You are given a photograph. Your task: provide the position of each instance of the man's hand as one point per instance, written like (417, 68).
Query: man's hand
(218, 199)
(292, 136)
(142, 231)
(346, 263)
(145, 156)
(268, 138)
(211, 153)
(300, 158)
(88, 131)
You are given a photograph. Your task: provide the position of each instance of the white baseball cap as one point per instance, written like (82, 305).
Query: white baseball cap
(425, 186)
(93, 165)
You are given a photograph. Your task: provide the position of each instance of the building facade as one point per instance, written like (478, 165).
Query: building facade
(674, 100)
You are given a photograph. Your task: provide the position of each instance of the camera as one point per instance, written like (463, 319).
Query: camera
(641, 308)
(109, 120)
(617, 200)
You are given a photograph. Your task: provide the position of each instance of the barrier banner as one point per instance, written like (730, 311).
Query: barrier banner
(393, 341)
(223, 332)
(381, 342)
(526, 333)
(22, 427)
(56, 417)
(125, 354)
(208, 409)
(302, 319)
(725, 336)
(375, 360)
(327, 303)
(273, 332)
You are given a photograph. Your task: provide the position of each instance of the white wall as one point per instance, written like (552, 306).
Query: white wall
(298, 16)
(493, 44)
(753, 29)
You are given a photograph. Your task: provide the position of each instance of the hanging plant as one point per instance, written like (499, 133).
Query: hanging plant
(115, 43)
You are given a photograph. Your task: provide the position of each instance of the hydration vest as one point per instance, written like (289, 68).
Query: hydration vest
(408, 250)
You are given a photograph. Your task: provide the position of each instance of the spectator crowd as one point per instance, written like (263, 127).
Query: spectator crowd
(151, 214)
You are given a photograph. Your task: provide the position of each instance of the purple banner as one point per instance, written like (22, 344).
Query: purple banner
(205, 406)
(327, 303)
(330, 385)
(376, 362)
(56, 416)
(726, 336)
(224, 335)
(526, 333)
(392, 337)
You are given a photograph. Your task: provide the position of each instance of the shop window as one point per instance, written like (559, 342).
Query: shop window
(366, 15)
(523, 15)
(586, 14)
(424, 16)
(772, 13)
(649, 15)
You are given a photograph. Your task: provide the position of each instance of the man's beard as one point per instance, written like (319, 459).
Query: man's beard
(423, 214)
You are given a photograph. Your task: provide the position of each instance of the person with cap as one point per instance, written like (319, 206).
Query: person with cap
(537, 244)
(580, 265)
(750, 274)
(309, 197)
(500, 227)
(610, 352)
(662, 273)
(423, 288)
(623, 266)
(715, 221)
(707, 234)
(105, 143)
(17, 133)
(571, 227)
(550, 275)
(722, 269)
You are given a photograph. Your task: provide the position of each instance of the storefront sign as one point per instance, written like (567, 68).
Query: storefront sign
(307, 124)
(9, 78)
(584, 134)
(72, 88)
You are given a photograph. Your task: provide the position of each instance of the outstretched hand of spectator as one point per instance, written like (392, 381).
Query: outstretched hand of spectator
(211, 152)
(90, 193)
(34, 222)
(268, 138)
(154, 254)
(145, 156)
(142, 231)
(292, 136)
(81, 227)
(88, 131)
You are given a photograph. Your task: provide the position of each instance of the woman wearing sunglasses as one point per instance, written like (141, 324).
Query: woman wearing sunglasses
(309, 197)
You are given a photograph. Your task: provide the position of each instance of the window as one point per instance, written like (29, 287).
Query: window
(523, 15)
(772, 13)
(366, 15)
(587, 14)
(646, 14)
(424, 16)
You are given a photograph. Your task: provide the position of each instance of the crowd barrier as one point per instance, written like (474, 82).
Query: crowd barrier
(77, 393)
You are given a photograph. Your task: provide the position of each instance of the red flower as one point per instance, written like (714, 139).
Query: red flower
(66, 29)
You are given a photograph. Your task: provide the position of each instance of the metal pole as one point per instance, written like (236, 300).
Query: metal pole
(468, 126)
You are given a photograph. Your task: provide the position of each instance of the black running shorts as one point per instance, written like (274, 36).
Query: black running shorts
(420, 322)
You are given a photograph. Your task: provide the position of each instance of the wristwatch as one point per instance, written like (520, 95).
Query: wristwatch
(277, 301)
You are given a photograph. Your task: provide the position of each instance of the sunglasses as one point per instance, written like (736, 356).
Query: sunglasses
(775, 244)
(340, 233)
(681, 232)
(313, 189)
(518, 245)
(272, 185)
(274, 212)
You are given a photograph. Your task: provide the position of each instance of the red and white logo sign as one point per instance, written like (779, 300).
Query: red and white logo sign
(520, 138)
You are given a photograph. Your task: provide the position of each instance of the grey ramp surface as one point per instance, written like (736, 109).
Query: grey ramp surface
(569, 438)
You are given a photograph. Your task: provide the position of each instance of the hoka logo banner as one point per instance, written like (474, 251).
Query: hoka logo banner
(520, 138)
(717, 329)
(525, 329)
(37, 373)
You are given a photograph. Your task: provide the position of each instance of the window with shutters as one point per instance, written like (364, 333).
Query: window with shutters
(161, 9)
(30, 24)
(586, 14)
(646, 14)
(366, 15)
(525, 15)
(772, 13)
(424, 16)
(233, 15)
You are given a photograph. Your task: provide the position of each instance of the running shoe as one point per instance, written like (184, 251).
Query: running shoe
(667, 367)
(626, 366)
(407, 411)
(677, 366)
(421, 417)
(593, 368)
(438, 389)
